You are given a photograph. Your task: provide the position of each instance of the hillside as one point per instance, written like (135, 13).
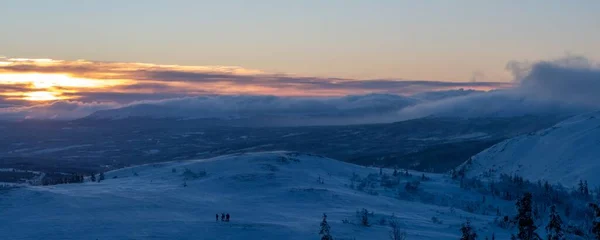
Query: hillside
(84, 146)
(270, 195)
(565, 153)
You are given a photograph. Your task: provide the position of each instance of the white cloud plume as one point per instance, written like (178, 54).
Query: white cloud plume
(564, 86)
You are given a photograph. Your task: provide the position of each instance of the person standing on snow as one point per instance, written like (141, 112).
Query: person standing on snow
(227, 217)
(217, 217)
(222, 216)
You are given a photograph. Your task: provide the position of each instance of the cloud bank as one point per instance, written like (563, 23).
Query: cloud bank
(60, 110)
(564, 86)
(224, 106)
(568, 85)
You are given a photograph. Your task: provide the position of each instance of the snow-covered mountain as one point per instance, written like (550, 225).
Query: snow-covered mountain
(565, 153)
(270, 195)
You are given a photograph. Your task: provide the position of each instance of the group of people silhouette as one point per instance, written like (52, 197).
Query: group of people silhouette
(224, 217)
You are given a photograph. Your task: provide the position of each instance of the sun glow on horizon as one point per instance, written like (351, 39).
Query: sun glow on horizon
(48, 80)
(41, 96)
(23, 79)
(50, 86)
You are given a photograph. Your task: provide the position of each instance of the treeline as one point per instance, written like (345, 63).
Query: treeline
(525, 222)
(542, 204)
(72, 179)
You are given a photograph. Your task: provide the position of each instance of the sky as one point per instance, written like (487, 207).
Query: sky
(417, 40)
(119, 52)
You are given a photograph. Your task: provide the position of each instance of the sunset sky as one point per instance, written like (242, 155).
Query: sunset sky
(47, 79)
(123, 51)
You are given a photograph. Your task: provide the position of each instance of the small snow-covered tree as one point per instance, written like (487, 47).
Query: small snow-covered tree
(325, 229)
(467, 232)
(363, 217)
(101, 177)
(412, 186)
(583, 188)
(554, 227)
(396, 233)
(382, 221)
(525, 219)
(596, 222)
(547, 187)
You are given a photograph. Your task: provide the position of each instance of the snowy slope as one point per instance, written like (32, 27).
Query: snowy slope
(565, 153)
(270, 195)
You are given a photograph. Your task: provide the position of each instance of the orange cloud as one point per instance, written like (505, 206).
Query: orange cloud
(48, 79)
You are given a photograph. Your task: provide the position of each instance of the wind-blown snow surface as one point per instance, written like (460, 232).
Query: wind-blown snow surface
(271, 195)
(565, 153)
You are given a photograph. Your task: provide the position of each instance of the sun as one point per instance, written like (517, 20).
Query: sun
(40, 96)
(49, 86)
(48, 80)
